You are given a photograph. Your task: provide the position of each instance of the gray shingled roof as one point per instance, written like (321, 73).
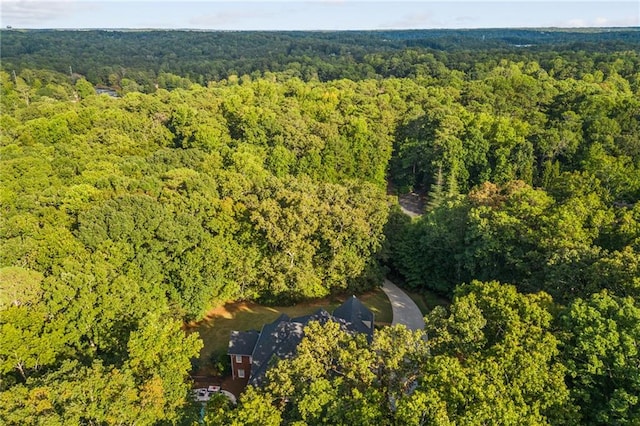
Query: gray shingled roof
(242, 342)
(359, 317)
(280, 339)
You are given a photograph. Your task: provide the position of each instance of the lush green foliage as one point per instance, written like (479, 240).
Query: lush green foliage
(492, 359)
(122, 217)
(496, 356)
(138, 60)
(570, 246)
(260, 189)
(602, 356)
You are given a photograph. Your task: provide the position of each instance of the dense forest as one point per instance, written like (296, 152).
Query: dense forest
(255, 166)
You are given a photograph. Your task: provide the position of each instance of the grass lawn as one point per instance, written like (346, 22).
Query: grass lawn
(216, 327)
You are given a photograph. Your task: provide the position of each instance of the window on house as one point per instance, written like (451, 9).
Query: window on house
(238, 359)
(241, 373)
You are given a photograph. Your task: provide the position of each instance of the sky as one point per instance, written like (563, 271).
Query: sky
(318, 14)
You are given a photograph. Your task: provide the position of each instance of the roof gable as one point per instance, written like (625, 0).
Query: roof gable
(357, 315)
(242, 342)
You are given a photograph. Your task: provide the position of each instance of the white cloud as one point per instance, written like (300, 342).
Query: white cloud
(37, 12)
(576, 22)
(630, 21)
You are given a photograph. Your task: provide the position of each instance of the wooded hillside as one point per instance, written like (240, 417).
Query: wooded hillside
(260, 178)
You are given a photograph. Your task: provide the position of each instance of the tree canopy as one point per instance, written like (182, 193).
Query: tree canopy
(256, 166)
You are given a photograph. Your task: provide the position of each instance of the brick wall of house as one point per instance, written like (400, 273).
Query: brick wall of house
(240, 366)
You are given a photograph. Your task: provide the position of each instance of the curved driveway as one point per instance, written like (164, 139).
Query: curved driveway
(405, 311)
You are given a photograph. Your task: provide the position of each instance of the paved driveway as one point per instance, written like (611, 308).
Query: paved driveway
(411, 204)
(404, 309)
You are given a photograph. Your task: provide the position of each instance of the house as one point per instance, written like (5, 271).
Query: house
(251, 351)
(241, 344)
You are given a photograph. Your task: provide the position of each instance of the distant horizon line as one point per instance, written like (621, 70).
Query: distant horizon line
(617, 28)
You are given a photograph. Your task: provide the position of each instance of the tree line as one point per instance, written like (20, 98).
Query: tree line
(140, 60)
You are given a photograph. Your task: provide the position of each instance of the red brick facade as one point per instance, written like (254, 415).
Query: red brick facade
(240, 366)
